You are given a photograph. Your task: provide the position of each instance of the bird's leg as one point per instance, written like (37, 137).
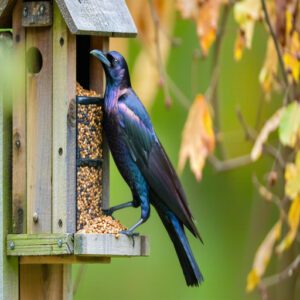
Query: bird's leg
(111, 210)
(144, 217)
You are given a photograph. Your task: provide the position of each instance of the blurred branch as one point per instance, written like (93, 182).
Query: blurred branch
(285, 274)
(160, 64)
(276, 43)
(269, 197)
(78, 278)
(177, 92)
(212, 92)
(251, 135)
(229, 164)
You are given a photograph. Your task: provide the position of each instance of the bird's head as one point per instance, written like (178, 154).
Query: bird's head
(115, 67)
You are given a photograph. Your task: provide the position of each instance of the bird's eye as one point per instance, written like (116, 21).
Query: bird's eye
(115, 61)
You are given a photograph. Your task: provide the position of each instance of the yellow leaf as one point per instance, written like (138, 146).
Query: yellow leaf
(268, 72)
(291, 56)
(205, 14)
(292, 178)
(239, 45)
(198, 138)
(289, 126)
(293, 218)
(246, 13)
(262, 257)
(271, 125)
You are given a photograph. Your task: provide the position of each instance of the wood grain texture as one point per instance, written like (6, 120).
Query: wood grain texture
(64, 259)
(109, 245)
(39, 134)
(41, 282)
(98, 17)
(39, 244)
(97, 83)
(6, 7)
(8, 266)
(64, 135)
(19, 126)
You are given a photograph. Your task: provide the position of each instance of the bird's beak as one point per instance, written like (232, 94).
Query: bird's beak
(101, 56)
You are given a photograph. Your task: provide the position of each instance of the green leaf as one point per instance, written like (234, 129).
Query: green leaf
(290, 125)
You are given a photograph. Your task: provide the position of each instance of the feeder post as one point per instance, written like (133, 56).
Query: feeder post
(9, 270)
(19, 189)
(41, 280)
(97, 84)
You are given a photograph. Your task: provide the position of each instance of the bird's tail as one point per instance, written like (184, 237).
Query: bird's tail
(192, 274)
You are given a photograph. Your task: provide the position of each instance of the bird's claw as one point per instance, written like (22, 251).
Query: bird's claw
(108, 212)
(130, 234)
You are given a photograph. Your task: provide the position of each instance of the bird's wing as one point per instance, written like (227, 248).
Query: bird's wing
(149, 155)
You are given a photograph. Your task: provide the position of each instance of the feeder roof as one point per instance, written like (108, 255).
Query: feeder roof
(88, 17)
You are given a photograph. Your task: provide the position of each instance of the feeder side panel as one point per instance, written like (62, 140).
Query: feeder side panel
(8, 267)
(39, 131)
(19, 126)
(64, 130)
(97, 84)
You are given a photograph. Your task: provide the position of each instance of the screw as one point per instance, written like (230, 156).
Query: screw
(11, 245)
(18, 144)
(59, 243)
(25, 11)
(35, 218)
(42, 9)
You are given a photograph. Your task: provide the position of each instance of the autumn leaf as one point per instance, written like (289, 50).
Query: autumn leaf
(290, 125)
(206, 15)
(293, 219)
(146, 60)
(262, 257)
(246, 13)
(292, 178)
(198, 138)
(270, 126)
(239, 45)
(268, 72)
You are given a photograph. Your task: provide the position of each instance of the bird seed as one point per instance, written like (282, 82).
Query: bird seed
(90, 218)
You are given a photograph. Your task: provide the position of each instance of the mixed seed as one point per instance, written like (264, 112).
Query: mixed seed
(89, 187)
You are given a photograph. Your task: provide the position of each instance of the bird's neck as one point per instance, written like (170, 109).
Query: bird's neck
(112, 94)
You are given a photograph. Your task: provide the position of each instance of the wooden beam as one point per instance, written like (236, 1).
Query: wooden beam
(39, 244)
(109, 245)
(64, 130)
(65, 259)
(39, 133)
(97, 84)
(19, 195)
(41, 282)
(8, 266)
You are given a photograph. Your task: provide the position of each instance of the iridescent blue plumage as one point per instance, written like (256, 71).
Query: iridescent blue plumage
(143, 162)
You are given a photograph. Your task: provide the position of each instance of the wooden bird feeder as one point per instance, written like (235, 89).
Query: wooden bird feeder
(51, 42)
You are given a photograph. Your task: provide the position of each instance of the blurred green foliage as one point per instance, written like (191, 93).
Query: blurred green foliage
(231, 217)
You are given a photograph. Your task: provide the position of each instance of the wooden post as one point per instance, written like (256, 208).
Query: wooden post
(97, 84)
(40, 281)
(19, 125)
(8, 265)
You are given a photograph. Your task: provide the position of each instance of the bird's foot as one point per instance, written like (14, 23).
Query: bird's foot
(108, 212)
(130, 234)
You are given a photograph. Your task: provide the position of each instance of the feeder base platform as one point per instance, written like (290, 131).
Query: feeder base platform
(74, 247)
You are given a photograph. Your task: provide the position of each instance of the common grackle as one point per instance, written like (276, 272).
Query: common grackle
(143, 163)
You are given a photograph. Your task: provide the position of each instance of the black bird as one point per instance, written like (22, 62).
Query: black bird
(143, 163)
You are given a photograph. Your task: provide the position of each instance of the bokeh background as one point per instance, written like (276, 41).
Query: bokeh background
(231, 216)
